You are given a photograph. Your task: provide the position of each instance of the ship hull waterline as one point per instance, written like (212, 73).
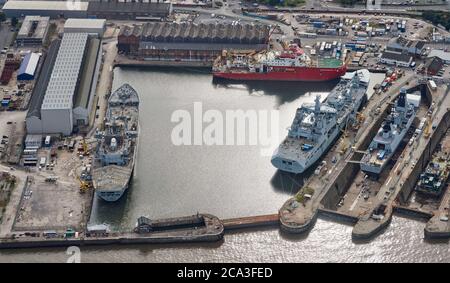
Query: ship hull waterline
(299, 74)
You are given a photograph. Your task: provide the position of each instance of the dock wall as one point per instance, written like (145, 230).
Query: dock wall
(426, 155)
(337, 216)
(251, 222)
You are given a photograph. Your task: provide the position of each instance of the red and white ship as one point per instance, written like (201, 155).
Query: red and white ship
(290, 65)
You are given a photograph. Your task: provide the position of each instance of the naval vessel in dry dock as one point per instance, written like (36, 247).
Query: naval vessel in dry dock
(316, 126)
(115, 154)
(388, 138)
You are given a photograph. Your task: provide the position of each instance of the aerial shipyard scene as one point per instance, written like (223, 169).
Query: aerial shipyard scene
(225, 130)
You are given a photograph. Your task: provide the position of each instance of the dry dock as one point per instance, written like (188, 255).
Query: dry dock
(335, 194)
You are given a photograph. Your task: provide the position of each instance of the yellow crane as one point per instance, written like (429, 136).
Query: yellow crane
(84, 185)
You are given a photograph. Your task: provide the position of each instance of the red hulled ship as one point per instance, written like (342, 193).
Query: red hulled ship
(290, 65)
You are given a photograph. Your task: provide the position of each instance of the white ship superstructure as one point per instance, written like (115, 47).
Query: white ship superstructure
(117, 145)
(388, 138)
(317, 125)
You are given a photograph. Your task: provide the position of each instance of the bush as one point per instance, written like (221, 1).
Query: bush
(438, 18)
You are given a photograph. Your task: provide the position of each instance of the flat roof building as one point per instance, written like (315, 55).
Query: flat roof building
(395, 58)
(92, 26)
(129, 10)
(444, 56)
(52, 9)
(33, 31)
(28, 66)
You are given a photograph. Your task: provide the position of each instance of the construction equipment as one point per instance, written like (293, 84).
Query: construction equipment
(427, 132)
(359, 120)
(83, 148)
(84, 185)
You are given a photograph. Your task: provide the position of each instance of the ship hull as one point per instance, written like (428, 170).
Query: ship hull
(294, 166)
(111, 196)
(376, 170)
(304, 74)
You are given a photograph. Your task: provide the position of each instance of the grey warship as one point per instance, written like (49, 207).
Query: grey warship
(317, 125)
(116, 149)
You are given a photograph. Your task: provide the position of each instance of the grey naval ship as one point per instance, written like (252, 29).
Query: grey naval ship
(317, 125)
(388, 138)
(115, 154)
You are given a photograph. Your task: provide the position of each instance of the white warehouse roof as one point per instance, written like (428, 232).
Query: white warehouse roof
(29, 64)
(84, 23)
(46, 5)
(440, 54)
(63, 81)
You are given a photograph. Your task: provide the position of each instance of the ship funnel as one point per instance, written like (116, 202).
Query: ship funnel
(113, 144)
(317, 105)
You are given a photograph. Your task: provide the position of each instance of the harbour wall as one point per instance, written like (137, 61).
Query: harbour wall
(10, 244)
(427, 153)
(251, 222)
(414, 213)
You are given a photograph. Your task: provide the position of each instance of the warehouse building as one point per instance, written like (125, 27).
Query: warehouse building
(64, 95)
(28, 67)
(433, 65)
(402, 45)
(33, 31)
(189, 41)
(91, 26)
(129, 10)
(395, 58)
(33, 120)
(443, 55)
(52, 9)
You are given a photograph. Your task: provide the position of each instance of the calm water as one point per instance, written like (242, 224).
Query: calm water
(228, 181)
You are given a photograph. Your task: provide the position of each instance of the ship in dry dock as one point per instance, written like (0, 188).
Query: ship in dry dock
(317, 125)
(433, 180)
(117, 145)
(389, 136)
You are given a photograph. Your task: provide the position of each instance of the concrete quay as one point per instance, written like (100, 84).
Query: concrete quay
(399, 186)
(329, 193)
(251, 222)
(212, 231)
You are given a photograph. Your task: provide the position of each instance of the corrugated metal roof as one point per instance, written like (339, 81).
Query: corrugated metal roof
(46, 5)
(29, 64)
(84, 23)
(41, 84)
(63, 81)
(441, 54)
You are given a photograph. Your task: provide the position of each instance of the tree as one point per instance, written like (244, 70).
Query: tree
(2, 17)
(14, 21)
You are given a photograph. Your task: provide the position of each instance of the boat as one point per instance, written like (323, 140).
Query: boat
(292, 64)
(316, 126)
(432, 181)
(392, 131)
(115, 153)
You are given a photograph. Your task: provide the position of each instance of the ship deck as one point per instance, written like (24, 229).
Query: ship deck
(111, 177)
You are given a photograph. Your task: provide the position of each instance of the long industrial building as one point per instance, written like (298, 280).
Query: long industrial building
(63, 96)
(84, 9)
(189, 41)
(52, 9)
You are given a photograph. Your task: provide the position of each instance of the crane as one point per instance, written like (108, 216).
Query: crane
(84, 185)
